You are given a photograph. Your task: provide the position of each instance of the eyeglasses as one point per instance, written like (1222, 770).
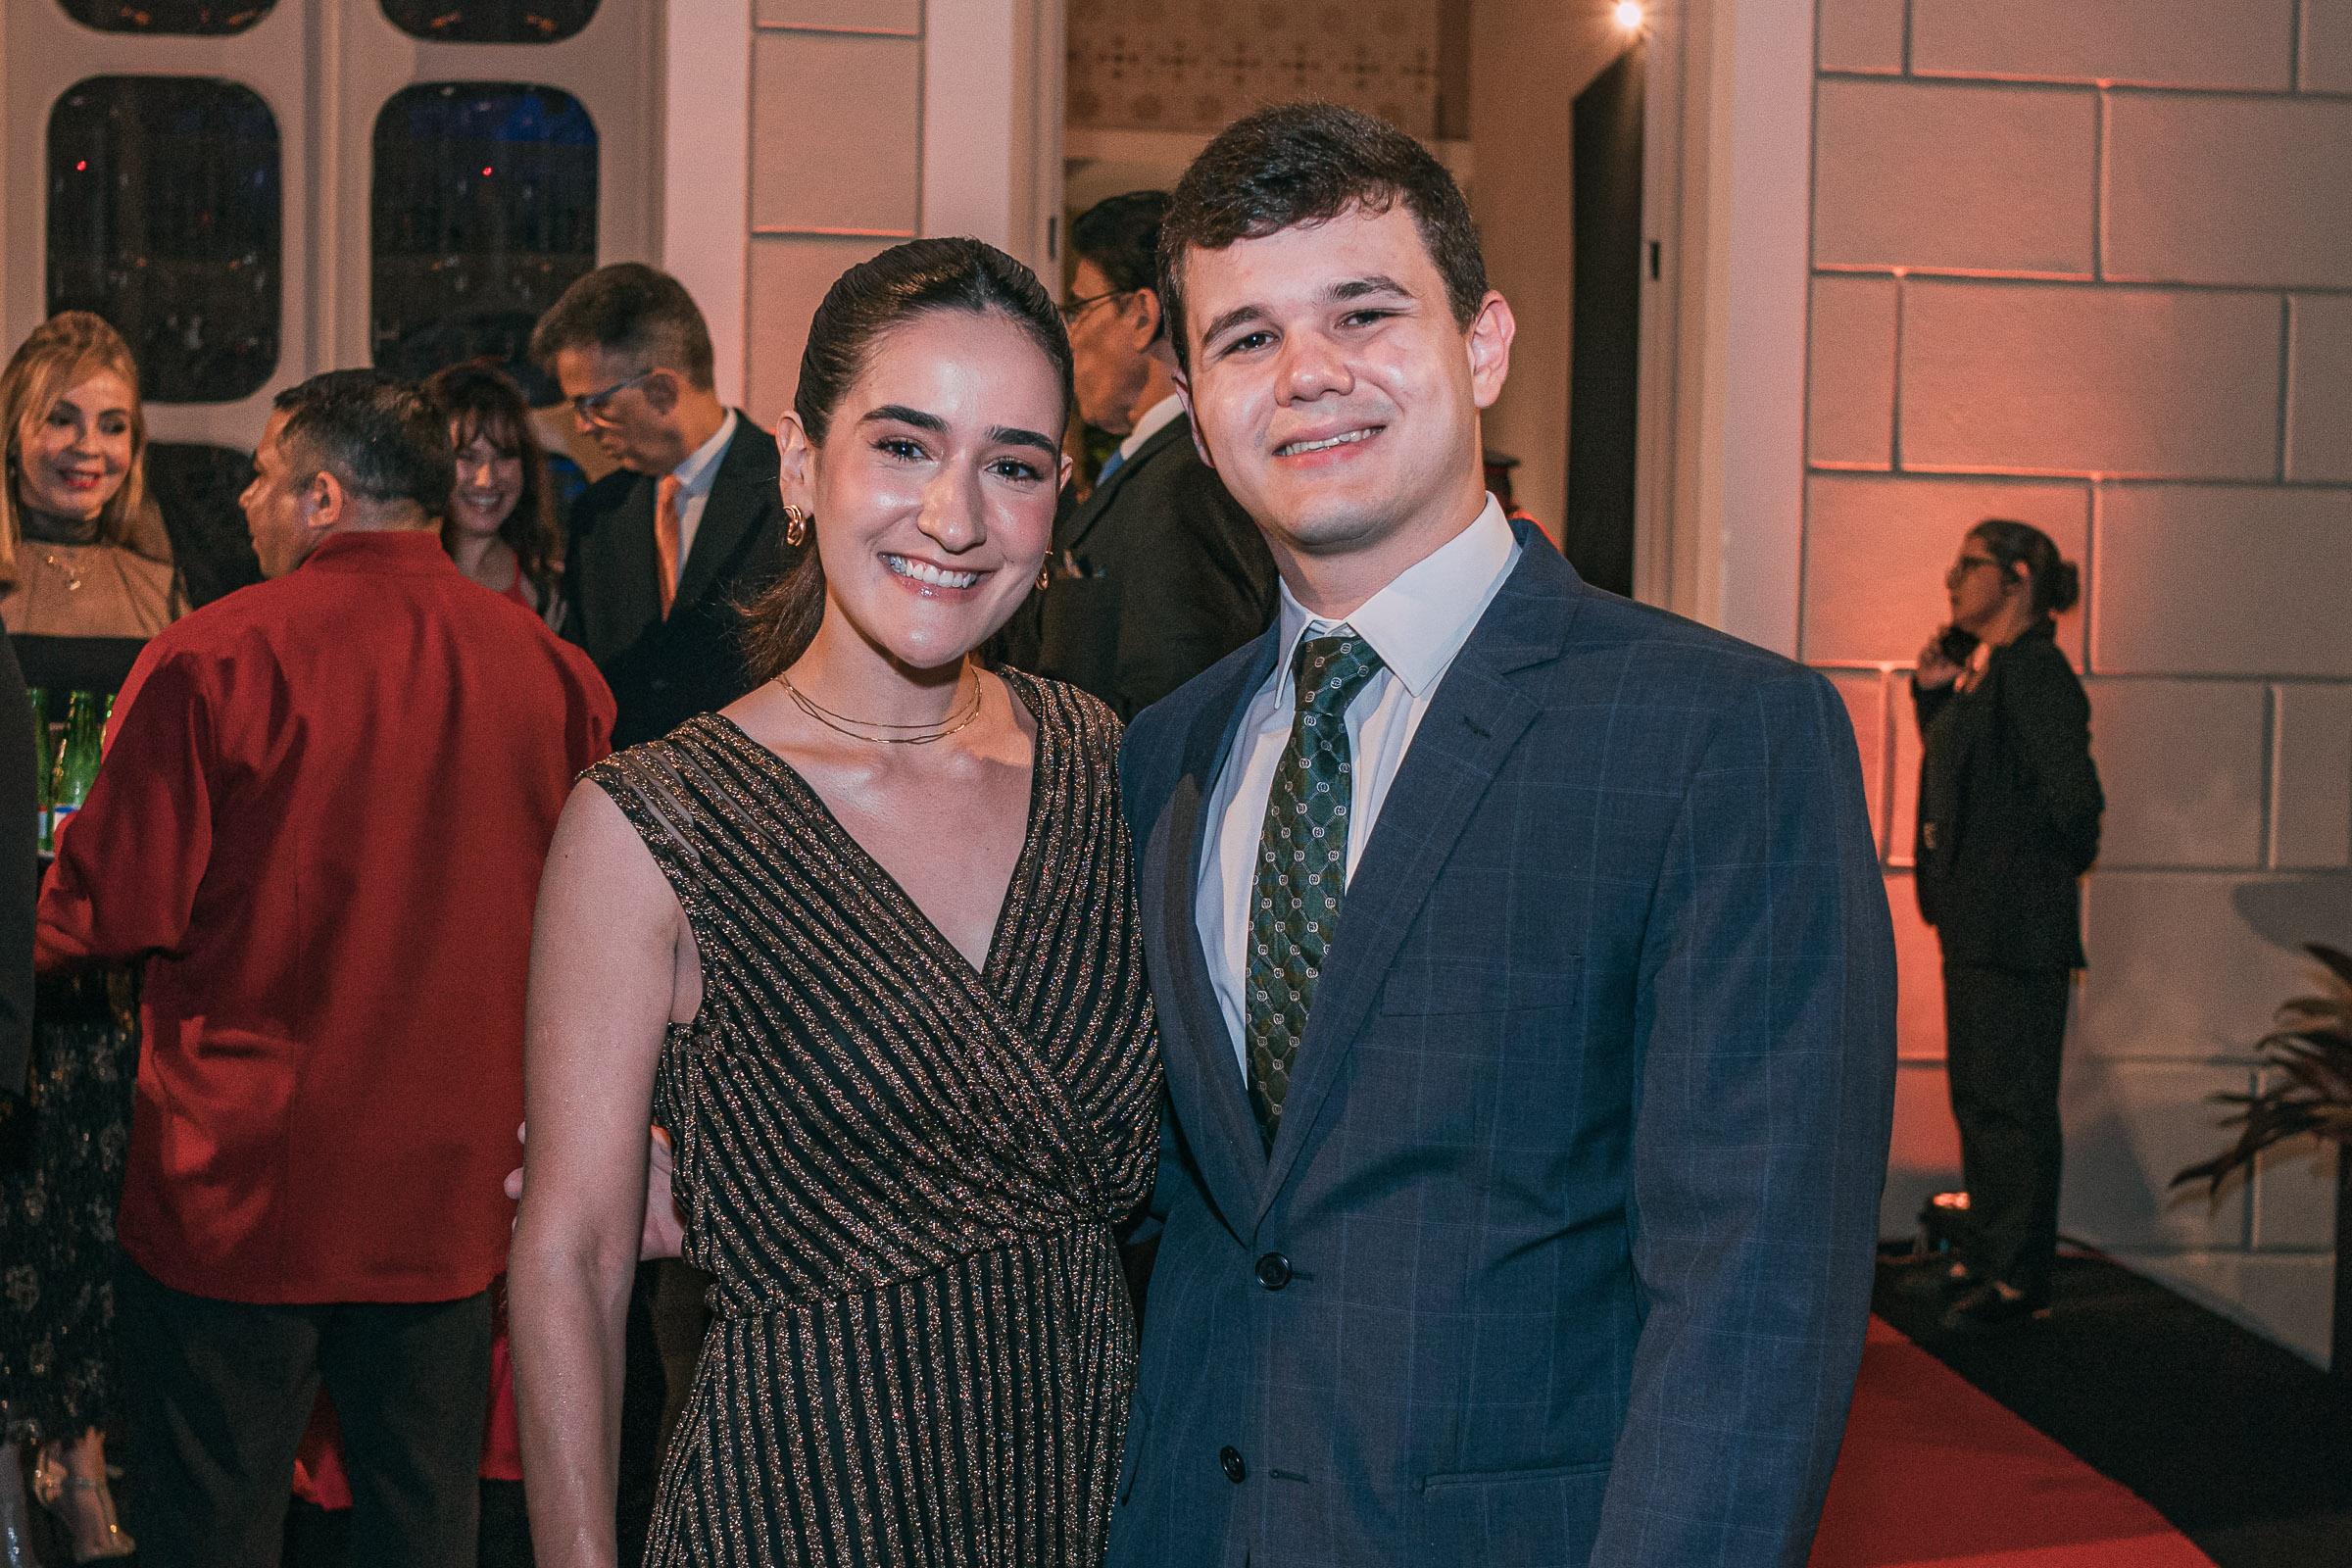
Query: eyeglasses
(593, 405)
(1071, 310)
(1960, 568)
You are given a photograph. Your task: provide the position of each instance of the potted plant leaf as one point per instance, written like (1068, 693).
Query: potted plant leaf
(2308, 1057)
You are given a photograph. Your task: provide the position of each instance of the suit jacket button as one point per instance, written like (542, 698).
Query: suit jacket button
(1273, 1271)
(1230, 1462)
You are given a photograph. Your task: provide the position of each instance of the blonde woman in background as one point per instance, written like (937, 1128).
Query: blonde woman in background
(81, 544)
(88, 578)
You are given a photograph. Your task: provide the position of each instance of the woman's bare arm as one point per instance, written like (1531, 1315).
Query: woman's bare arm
(611, 962)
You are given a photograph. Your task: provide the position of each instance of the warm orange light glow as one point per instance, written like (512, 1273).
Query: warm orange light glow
(1629, 14)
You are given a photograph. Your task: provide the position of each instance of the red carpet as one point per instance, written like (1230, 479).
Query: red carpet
(1933, 1472)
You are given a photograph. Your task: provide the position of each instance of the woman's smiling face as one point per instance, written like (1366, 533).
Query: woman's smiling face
(74, 459)
(933, 494)
(489, 483)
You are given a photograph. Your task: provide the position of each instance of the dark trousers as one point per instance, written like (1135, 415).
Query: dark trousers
(2003, 1030)
(217, 1394)
(662, 1341)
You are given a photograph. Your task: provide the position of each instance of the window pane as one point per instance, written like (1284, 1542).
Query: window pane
(163, 217)
(491, 20)
(213, 16)
(196, 485)
(483, 211)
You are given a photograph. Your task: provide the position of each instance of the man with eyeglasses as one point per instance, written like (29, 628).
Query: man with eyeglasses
(1160, 573)
(664, 548)
(663, 551)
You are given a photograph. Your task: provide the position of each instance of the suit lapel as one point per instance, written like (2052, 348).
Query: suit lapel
(1082, 521)
(1481, 709)
(626, 574)
(740, 493)
(1203, 1077)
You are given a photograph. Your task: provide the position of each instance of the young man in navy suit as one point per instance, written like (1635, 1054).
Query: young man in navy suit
(1521, 959)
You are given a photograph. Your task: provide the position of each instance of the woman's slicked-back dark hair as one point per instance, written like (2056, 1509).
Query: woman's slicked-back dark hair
(1307, 163)
(2057, 581)
(864, 304)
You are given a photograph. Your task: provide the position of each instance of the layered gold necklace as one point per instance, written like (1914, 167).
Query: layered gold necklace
(911, 734)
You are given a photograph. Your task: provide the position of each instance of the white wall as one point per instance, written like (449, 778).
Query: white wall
(2088, 263)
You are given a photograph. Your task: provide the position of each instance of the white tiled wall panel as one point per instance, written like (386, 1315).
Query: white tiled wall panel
(2229, 190)
(2311, 789)
(1861, 34)
(2189, 965)
(2185, 766)
(2319, 391)
(2071, 379)
(2223, 580)
(2130, 1126)
(1932, 175)
(1849, 400)
(2170, 43)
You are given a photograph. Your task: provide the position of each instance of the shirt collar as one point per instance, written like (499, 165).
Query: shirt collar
(380, 550)
(1158, 417)
(695, 474)
(1421, 618)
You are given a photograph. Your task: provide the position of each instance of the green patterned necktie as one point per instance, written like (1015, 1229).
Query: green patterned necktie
(1302, 867)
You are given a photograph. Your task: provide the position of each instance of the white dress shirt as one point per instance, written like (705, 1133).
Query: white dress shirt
(695, 477)
(1158, 417)
(1417, 624)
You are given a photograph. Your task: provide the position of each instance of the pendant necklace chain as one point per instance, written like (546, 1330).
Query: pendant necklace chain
(841, 722)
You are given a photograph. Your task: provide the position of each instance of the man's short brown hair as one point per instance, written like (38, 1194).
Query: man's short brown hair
(1305, 164)
(633, 312)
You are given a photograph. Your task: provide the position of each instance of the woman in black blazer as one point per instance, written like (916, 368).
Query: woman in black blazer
(2009, 808)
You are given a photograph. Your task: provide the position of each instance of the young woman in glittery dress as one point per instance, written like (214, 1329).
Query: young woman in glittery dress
(867, 944)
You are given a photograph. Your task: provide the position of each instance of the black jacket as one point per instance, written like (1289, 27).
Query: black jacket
(2009, 806)
(1157, 577)
(664, 673)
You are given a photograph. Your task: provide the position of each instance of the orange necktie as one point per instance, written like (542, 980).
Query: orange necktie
(665, 538)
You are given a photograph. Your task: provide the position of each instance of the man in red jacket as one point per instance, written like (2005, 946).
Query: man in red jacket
(320, 821)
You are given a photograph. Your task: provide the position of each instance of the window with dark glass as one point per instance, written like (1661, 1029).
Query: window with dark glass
(483, 210)
(165, 219)
(490, 21)
(203, 17)
(196, 486)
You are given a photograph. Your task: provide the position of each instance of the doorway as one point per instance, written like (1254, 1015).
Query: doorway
(1605, 370)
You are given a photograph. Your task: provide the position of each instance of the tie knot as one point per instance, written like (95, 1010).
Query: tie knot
(667, 488)
(1331, 670)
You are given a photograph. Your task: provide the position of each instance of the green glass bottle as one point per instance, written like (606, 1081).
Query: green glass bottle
(44, 764)
(78, 759)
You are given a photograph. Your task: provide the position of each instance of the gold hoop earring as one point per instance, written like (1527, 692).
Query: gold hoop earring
(796, 527)
(1044, 578)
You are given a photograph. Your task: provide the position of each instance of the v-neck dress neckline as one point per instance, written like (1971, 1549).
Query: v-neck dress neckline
(894, 892)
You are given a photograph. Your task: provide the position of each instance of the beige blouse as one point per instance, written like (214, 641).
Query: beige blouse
(90, 591)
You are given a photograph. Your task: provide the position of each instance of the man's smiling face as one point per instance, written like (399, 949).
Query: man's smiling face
(1333, 389)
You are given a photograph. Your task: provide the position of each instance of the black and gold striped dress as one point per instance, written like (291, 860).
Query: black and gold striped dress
(901, 1173)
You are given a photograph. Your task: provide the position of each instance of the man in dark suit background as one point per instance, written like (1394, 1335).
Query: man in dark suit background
(662, 553)
(1159, 574)
(1521, 958)
(664, 549)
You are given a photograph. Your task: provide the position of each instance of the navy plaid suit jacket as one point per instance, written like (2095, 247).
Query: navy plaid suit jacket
(1563, 1252)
